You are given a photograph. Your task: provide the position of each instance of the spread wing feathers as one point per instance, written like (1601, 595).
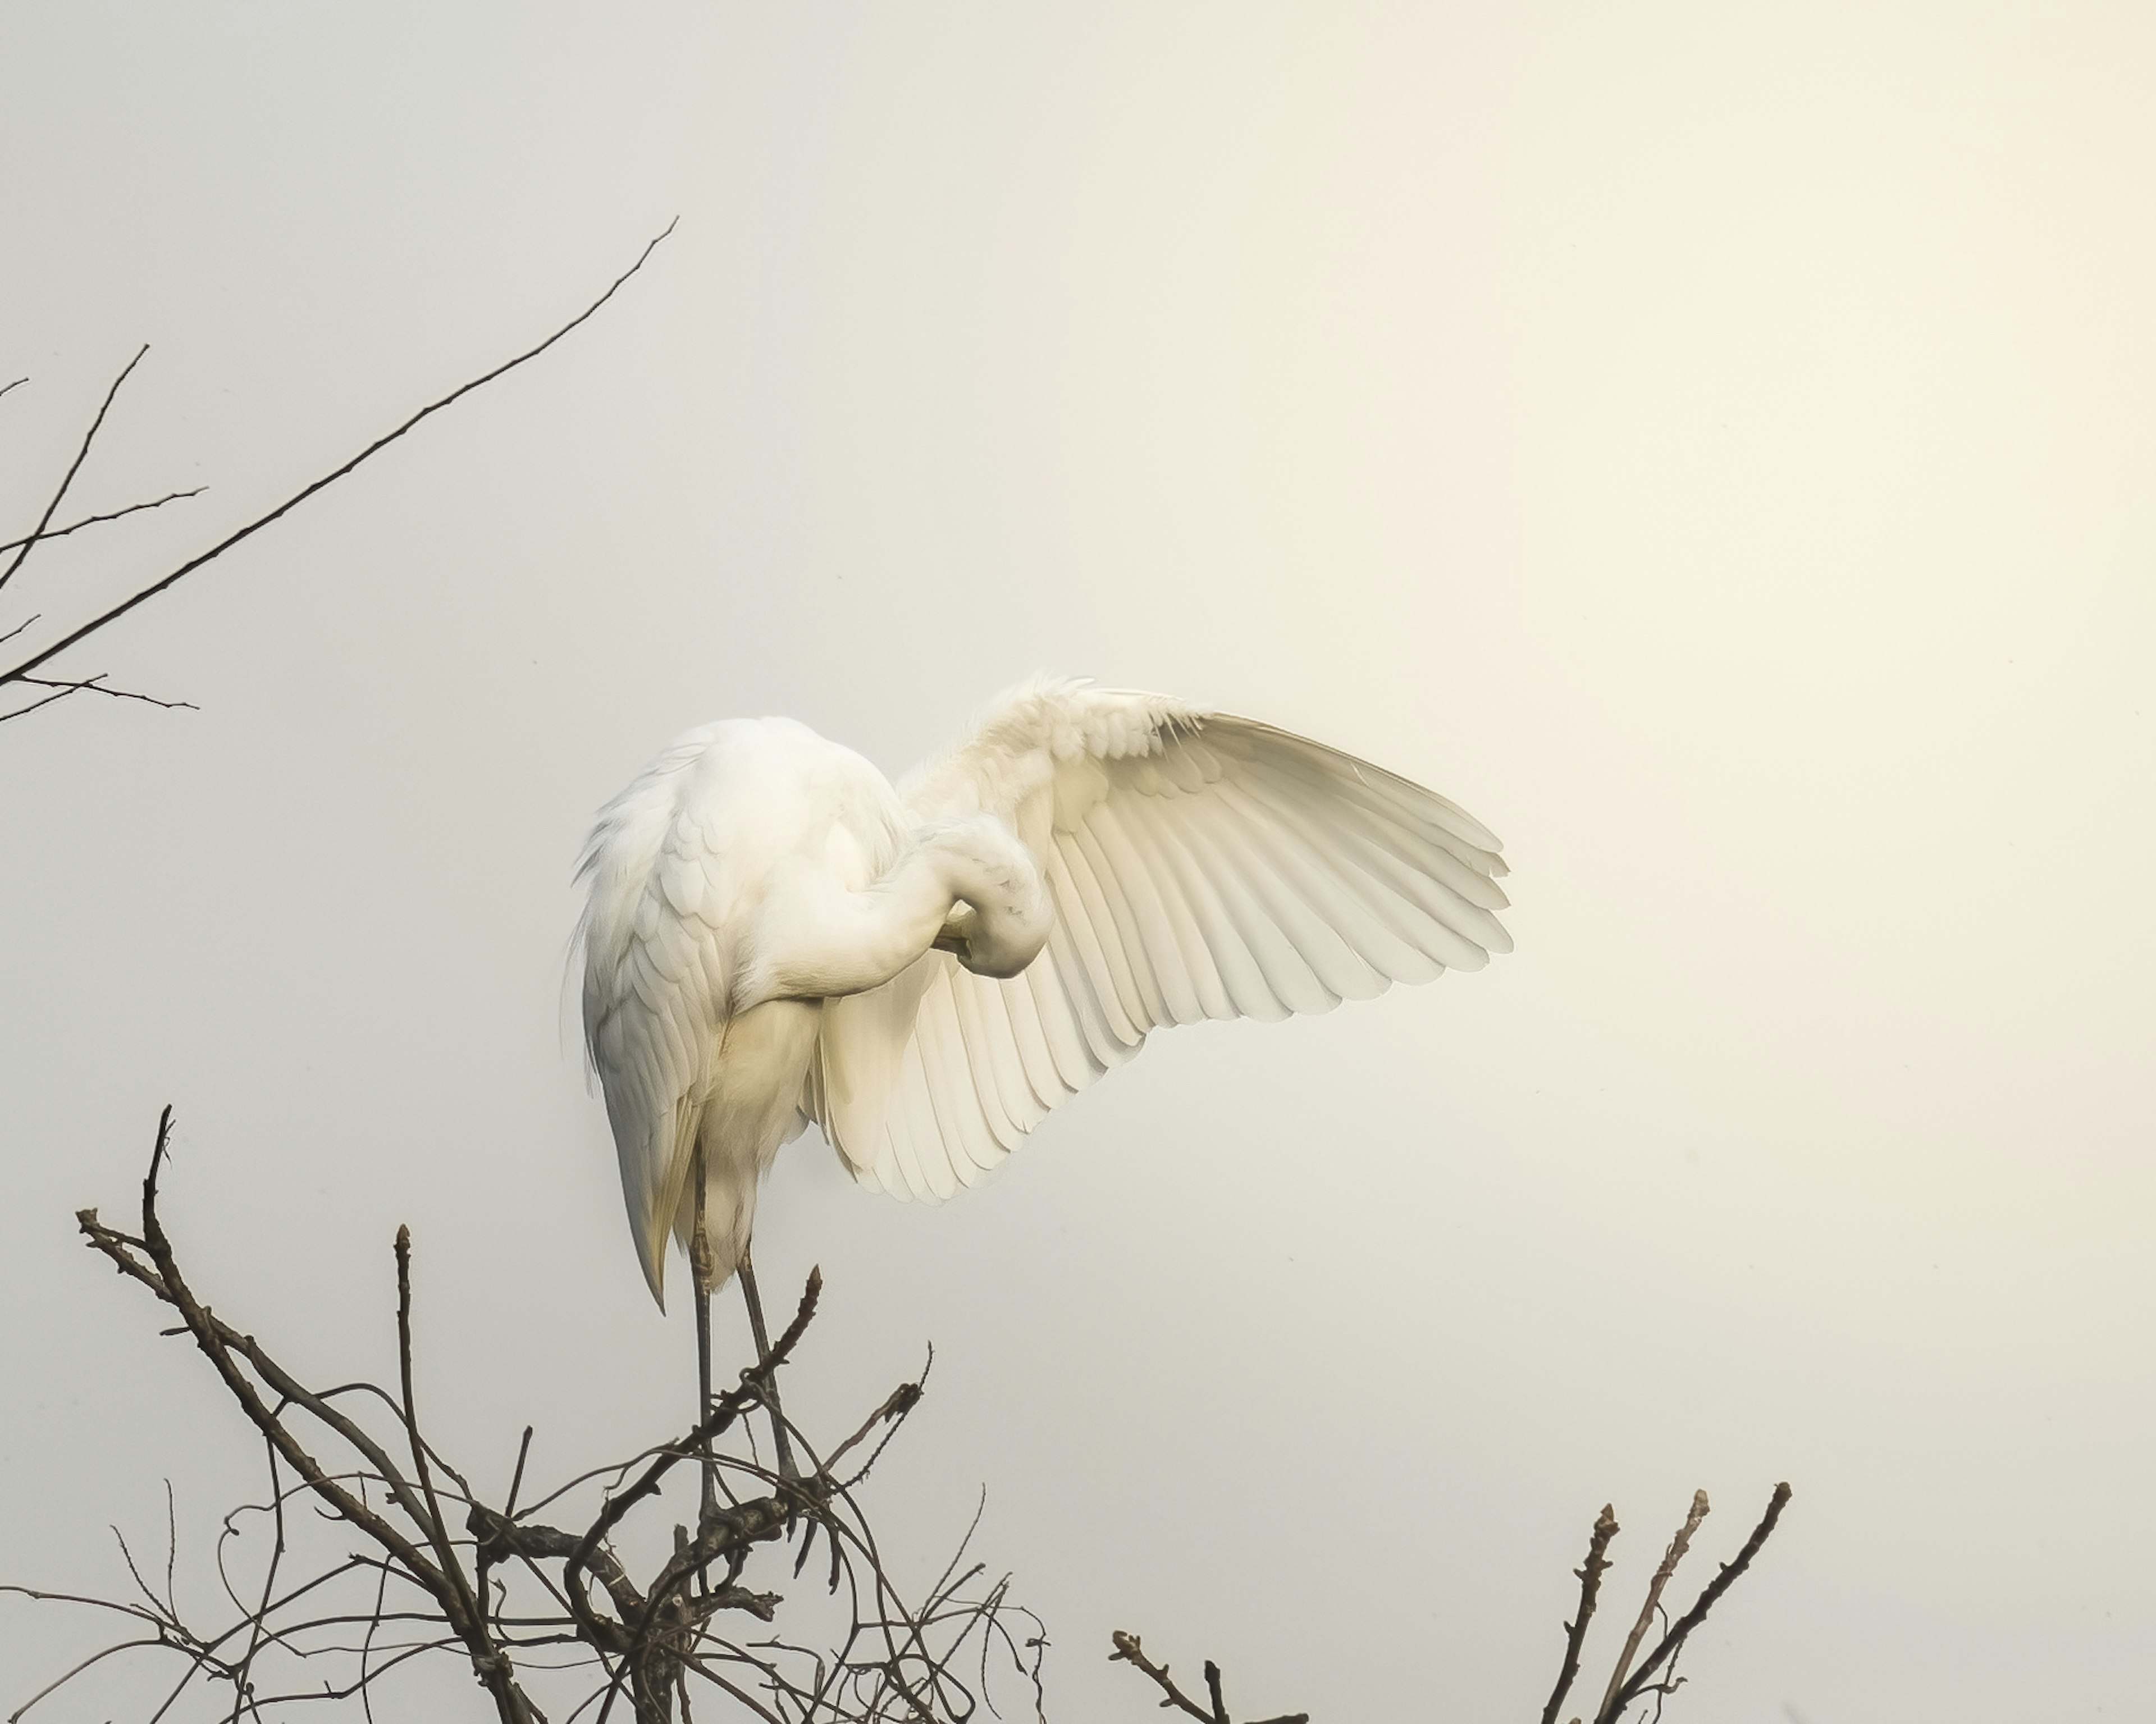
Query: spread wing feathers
(1202, 865)
(655, 994)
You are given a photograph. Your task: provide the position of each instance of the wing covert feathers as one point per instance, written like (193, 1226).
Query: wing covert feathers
(1201, 865)
(655, 994)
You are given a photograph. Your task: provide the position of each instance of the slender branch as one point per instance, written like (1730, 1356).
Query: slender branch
(96, 685)
(225, 1345)
(164, 1609)
(1213, 1690)
(473, 1624)
(1575, 1631)
(67, 1676)
(1130, 1650)
(76, 526)
(15, 673)
(483, 1550)
(729, 1407)
(23, 547)
(211, 1336)
(1670, 1557)
(516, 1478)
(258, 1619)
(25, 711)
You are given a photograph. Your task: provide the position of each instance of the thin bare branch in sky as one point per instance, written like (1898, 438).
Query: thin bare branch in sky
(76, 526)
(1589, 1574)
(22, 671)
(89, 684)
(1652, 1602)
(1130, 1651)
(23, 546)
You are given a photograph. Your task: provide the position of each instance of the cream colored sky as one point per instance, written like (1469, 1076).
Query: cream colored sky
(1712, 445)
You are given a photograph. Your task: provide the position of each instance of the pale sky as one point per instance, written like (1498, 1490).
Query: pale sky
(1714, 444)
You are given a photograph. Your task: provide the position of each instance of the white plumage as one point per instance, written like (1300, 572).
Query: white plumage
(775, 936)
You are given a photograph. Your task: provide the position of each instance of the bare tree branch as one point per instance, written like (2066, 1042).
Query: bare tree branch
(1589, 1573)
(1672, 1643)
(89, 685)
(65, 689)
(22, 547)
(1625, 1685)
(1675, 1554)
(1130, 1650)
(437, 1529)
(76, 526)
(635, 1642)
(21, 670)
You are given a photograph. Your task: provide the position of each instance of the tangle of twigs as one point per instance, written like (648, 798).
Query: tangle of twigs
(374, 1554)
(537, 1610)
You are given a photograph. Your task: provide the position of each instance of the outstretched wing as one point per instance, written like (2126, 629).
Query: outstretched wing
(655, 994)
(1202, 865)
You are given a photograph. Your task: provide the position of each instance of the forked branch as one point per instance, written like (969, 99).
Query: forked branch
(1656, 1674)
(22, 673)
(1130, 1650)
(445, 1571)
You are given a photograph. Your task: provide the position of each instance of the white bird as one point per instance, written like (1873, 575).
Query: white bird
(775, 936)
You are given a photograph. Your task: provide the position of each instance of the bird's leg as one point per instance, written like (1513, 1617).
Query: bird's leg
(700, 1271)
(747, 1271)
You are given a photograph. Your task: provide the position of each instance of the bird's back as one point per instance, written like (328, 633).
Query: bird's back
(678, 867)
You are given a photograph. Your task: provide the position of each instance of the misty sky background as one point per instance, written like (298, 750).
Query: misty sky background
(1713, 447)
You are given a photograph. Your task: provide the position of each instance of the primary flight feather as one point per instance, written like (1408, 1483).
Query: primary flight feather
(775, 936)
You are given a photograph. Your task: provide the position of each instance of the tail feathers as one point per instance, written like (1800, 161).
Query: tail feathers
(729, 1212)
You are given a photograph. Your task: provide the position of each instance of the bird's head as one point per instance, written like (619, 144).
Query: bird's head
(1003, 913)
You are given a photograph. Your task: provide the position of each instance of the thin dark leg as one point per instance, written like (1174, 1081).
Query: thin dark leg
(755, 1302)
(700, 1271)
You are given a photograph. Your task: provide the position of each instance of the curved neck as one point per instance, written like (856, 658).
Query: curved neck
(818, 940)
(815, 940)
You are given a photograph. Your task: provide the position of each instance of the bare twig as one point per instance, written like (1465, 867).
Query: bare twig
(258, 1620)
(22, 547)
(89, 685)
(468, 1619)
(1130, 1650)
(25, 711)
(19, 672)
(1670, 1557)
(76, 526)
(1589, 1573)
(226, 1348)
(1212, 1691)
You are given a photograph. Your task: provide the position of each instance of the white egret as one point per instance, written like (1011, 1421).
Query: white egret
(775, 936)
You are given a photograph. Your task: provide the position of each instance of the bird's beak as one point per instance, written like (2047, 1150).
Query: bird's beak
(955, 936)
